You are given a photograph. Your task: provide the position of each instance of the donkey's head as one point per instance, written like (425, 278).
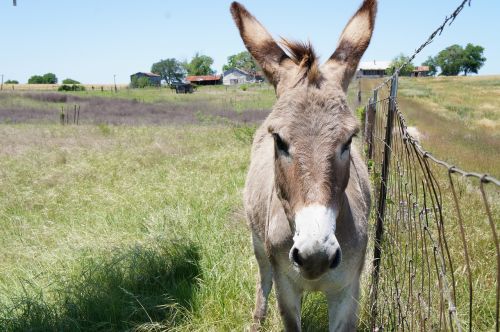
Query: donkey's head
(312, 128)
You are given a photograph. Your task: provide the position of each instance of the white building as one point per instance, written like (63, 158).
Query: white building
(235, 76)
(373, 68)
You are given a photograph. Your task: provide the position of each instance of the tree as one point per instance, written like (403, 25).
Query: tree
(48, 78)
(170, 70)
(450, 60)
(398, 62)
(70, 81)
(200, 65)
(473, 59)
(242, 60)
(11, 82)
(432, 64)
(35, 79)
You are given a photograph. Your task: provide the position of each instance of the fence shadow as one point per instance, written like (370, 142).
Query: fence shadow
(140, 288)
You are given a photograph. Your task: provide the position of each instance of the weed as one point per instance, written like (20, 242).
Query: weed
(104, 129)
(244, 133)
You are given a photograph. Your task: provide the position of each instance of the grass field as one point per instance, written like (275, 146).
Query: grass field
(133, 219)
(458, 118)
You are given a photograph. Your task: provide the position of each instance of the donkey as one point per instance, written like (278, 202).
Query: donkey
(307, 193)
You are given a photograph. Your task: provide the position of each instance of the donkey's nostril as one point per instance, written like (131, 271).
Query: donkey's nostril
(337, 258)
(296, 257)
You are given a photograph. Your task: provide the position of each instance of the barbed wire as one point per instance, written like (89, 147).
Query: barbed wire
(425, 266)
(447, 20)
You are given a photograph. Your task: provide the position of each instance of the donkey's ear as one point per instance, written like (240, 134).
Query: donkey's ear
(259, 42)
(353, 43)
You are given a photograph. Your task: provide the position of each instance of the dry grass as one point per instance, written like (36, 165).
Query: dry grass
(451, 134)
(457, 118)
(140, 227)
(46, 107)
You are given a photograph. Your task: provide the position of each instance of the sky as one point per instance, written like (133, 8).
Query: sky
(92, 40)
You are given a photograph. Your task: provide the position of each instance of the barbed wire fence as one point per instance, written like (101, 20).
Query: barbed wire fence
(436, 257)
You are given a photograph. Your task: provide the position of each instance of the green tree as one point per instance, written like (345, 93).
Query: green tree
(49, 78)
(70, 81)
(11, 82)
(450, 60)
(242, 60)
(431, 62)
(472, 58)
(200, 65)
(170, 70)
(35, 79)
(398, 62)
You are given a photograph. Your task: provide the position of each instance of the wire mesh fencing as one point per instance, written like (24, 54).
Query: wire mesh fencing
(436, 264)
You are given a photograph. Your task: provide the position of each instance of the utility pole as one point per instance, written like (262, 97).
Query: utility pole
(15, 2)
(1, 85)
(114, 81)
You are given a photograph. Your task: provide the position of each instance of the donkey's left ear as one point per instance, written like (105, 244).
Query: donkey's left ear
(352, 44)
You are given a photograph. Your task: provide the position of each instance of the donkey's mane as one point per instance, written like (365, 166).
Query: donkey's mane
(304, 56)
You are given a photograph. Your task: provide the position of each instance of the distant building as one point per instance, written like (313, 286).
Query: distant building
(420, 71)
(205, 79)
(154, 79)
(373, 68)
(235, 76)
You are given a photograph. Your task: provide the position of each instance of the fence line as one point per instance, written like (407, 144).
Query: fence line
(435, 234)
(436, 238)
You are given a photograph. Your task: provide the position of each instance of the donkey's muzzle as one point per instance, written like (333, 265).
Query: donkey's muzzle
(314, 264)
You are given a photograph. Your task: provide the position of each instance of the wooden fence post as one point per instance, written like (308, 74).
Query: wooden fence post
(61, 116)
(369, 123)
(359, 92)
(379, 228)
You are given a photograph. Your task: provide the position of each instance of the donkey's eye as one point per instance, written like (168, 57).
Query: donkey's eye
(280, 144)
(347, 145)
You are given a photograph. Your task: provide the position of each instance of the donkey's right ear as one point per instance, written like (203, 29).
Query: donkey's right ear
(259, 43)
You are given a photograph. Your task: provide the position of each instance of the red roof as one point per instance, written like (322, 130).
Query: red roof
(203, 78)
(421, 68)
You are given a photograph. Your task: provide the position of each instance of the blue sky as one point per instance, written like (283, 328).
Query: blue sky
(92, 40)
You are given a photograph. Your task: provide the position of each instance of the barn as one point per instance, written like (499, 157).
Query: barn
(239, 76)
(205, 79)
(420, 71)
(154, 79)
(373, 68)
(235, 76)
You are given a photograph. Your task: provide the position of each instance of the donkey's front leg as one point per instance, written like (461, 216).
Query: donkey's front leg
(343, 309)
(289, 301)
(264, 285)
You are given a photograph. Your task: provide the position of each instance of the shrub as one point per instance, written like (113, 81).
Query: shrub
(11, 82)
(140, 82)
(244, 87)
(73, 87)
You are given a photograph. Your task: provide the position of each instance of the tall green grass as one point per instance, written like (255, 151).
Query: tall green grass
(121, 228)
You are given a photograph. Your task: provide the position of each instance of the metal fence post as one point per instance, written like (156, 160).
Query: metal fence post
(382, 198)
(369, 123)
